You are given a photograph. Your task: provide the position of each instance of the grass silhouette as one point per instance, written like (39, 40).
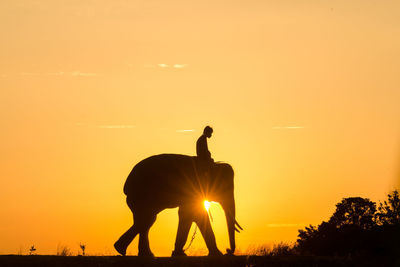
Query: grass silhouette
(234, 261)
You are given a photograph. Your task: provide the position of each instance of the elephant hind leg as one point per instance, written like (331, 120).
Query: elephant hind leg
(123, 242)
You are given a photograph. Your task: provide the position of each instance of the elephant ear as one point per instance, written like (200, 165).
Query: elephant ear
(222, 176)
(216, 169)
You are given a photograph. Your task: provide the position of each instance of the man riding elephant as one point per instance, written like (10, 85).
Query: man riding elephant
(205, 160)
(171, 180)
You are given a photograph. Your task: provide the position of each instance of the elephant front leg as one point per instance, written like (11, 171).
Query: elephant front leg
(144, 247)
(145, 224)
(204, 225)
(185, 221)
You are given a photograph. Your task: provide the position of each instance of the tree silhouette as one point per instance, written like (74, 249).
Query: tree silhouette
(354, 211)
(389, 211)
(356, 228)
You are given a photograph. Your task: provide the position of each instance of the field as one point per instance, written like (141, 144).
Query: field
(234, 261)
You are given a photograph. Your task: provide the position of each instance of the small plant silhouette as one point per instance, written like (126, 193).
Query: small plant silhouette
(63, 250)
(20, 250)
(83, 247)
(32, 250)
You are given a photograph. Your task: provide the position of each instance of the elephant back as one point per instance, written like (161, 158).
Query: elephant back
(155, 172)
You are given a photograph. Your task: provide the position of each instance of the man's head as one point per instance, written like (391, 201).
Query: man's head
(208, 131)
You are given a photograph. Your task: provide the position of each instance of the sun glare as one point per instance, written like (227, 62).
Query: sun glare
(207, 205)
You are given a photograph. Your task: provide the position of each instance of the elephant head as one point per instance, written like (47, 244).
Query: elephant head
(221, 190)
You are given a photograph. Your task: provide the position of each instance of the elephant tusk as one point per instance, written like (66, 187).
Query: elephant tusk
(240, 227)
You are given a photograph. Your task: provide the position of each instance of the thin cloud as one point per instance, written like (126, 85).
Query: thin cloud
(55, 73)
(30, 74)
(116, 126)
(165, 66)
(85, 74)
(59, 73)
(288, 127)
(185, 131)
(106, 126)
(179, 66)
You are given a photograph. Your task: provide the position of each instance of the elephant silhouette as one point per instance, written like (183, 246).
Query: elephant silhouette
(172, 180)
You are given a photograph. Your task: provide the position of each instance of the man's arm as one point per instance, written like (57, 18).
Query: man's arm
(201, 147)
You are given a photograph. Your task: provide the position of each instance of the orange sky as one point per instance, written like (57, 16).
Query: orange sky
(303, 97)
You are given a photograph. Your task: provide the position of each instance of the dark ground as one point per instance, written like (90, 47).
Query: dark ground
(234, 261)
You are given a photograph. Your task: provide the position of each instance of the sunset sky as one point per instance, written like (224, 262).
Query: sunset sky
(303, 96)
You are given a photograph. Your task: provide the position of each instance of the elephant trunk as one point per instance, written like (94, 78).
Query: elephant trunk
(230, 212)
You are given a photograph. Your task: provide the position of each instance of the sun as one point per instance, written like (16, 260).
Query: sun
(207, 205)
